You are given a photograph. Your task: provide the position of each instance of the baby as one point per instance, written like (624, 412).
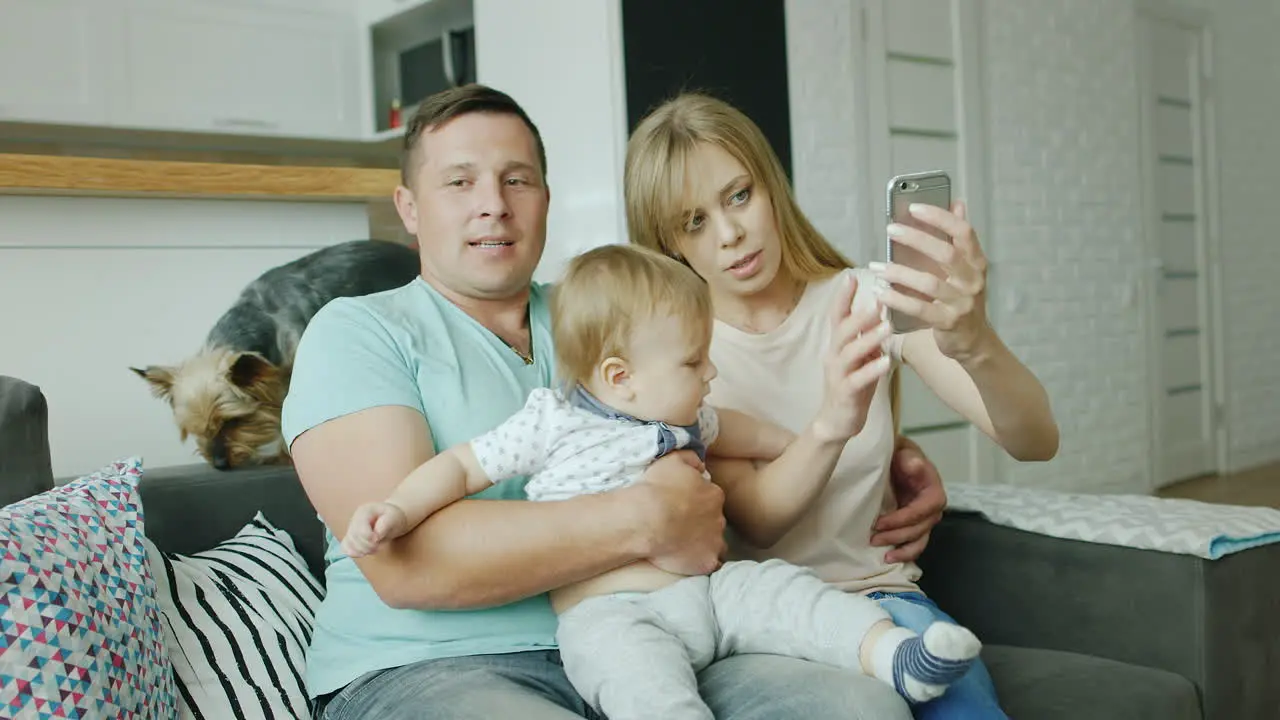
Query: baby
(632, 330)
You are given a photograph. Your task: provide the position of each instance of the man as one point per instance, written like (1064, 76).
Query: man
(452, 620)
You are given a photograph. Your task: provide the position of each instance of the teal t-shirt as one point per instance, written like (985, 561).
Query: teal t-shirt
(410, 346)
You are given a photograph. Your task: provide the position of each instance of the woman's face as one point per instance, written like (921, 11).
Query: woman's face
(728, 234)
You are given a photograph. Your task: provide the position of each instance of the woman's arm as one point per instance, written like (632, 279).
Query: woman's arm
(960, 357)
(992, 389)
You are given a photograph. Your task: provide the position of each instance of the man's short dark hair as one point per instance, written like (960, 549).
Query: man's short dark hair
(446, 105)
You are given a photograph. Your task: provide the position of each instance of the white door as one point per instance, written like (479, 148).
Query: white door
(1178, 194)
(924, 113)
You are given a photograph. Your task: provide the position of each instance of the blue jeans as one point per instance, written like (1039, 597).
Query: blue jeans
(532, 686)
(973, 697)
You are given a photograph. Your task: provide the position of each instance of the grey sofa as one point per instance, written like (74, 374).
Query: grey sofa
(1072, 630)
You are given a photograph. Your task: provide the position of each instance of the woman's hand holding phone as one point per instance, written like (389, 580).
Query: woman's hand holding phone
(953, 305)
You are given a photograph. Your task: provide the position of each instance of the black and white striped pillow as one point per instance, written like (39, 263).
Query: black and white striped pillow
(237, 620)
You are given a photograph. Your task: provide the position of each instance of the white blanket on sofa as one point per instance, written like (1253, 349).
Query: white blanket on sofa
(1138, 521)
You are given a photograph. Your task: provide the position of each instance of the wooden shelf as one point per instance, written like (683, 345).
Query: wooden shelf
(393, 135)
(108, 177)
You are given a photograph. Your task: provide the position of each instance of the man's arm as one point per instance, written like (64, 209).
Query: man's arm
(921, 499)
(491, 552)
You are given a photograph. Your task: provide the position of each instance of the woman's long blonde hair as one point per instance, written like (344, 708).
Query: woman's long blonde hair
(658, 153)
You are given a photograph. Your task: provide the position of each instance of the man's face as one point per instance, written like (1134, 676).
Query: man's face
(478, 206)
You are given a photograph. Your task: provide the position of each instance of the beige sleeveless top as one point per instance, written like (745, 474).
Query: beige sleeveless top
(778, 375)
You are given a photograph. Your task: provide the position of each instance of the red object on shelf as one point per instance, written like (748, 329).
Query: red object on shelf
(394, 120)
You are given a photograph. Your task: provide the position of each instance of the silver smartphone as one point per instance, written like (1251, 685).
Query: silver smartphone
(931, 188)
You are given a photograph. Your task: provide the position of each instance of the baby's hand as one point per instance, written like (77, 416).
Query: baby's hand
(371, 525)
(691, 459)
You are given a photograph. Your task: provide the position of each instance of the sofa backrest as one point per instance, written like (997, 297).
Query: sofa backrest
(189, 508)
(26, 467)
(186, 508)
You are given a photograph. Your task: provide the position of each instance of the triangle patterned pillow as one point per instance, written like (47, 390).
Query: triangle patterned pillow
(79, 622)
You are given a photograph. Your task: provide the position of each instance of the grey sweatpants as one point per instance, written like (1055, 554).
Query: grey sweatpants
(636, 655)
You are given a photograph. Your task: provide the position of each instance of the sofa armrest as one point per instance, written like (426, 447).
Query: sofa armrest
(1214, 622)
(26, 468)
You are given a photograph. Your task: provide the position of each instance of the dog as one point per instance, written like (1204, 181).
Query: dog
(228, 395)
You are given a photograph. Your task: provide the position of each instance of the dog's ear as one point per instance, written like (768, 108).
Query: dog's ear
(158, 377)
(249, 369)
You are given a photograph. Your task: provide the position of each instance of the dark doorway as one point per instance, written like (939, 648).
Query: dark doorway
(733, 49)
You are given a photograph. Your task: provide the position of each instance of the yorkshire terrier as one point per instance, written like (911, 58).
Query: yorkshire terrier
(229, 394)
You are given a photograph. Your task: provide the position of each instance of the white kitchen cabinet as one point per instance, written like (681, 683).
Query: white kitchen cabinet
(251, 67)
(59, 60)
(237, 69)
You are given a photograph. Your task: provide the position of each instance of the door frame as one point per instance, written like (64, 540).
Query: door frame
(1208, 239)
(967, 39)
(986, 459)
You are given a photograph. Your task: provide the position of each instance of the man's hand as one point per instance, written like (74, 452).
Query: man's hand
(917, 486)
(684, 515)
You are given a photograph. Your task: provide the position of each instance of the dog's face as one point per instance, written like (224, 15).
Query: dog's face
(229, 401)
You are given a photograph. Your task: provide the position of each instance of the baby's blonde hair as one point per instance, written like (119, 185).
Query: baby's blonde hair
(607, 292)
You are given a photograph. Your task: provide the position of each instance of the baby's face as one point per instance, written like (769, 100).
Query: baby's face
(670, 370)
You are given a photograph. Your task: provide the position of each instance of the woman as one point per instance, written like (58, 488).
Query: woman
(703, 185)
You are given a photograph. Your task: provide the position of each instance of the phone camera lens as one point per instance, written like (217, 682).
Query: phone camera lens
(903, 185)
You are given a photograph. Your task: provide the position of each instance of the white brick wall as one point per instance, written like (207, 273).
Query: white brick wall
(825, 135)
(1061, 71)
(1064, 233)
(1065, 228)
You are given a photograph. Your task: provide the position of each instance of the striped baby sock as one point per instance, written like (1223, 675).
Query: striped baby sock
(920, 667)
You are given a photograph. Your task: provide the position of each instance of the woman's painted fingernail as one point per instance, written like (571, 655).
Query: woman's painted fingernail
(877, 267)
(896, 229)
(915, 208)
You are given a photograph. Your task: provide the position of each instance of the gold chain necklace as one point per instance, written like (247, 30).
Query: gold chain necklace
(527, 358)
